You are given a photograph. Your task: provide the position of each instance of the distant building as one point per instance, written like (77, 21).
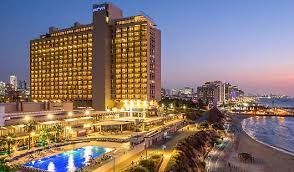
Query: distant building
(163, 93)
(188, 91)
(212, 93)
(167, 92)
(228, 90)
(22, 85)
(236, 93)
(185, 93)
(13, 82)
(174, 92)
(218, 93)
(2, 89)
(206, 92)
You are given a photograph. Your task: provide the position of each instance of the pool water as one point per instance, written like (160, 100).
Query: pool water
(68, 161)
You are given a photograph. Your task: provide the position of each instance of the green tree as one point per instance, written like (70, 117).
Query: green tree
(8, 140)
(57, 129)
(5, 167)
(29, 128)
(44, 136)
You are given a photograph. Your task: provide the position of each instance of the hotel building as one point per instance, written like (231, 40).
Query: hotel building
(115, 62)
(13, 81)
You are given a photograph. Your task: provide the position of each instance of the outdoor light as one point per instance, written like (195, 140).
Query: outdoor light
(27, 118)
(171, 106)
(132, 104)
(87, 112)
(145, 104)
(184, 107)
(49, 116)
(69, 113)
(126, 104)
(87, 125)
(33, 133)
(139, 103)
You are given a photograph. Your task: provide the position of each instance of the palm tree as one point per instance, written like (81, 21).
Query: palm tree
(29, 128)
(57, 130)
(8, 140)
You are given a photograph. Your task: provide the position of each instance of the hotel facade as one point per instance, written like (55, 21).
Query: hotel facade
(114, 62)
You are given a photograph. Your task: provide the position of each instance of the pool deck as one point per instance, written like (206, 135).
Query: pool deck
(117, 148)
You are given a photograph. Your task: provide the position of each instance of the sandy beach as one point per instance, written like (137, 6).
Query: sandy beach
(266, 158)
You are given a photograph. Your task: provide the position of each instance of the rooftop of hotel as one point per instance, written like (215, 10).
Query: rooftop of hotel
(54, 31)
(134, 19)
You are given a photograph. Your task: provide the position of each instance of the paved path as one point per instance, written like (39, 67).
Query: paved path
(166, 158)
(126, 158)
(138, 153)
(215, 160)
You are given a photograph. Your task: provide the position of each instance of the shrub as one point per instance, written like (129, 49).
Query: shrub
(156, 156)
(148, 164)
(140, 169)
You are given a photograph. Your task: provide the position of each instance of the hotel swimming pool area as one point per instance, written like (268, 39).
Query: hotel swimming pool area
(68, 161)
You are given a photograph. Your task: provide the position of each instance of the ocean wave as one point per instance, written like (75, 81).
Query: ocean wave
(277, 133)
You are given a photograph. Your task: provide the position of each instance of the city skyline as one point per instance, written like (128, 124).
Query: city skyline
(204, 36)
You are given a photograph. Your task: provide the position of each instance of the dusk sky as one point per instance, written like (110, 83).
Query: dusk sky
(246, 42)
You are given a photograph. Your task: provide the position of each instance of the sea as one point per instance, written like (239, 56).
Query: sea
(276, 102)
(277, 132)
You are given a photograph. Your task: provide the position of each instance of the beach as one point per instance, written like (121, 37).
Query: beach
(266, 158)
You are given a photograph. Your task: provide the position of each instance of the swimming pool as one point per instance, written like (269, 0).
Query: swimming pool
(68, 161)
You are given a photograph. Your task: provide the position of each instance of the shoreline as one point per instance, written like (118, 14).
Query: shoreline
(267, 144)
(247, 115)
(266, 158)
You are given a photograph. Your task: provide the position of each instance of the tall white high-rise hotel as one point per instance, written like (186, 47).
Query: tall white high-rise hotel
(13, 81)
